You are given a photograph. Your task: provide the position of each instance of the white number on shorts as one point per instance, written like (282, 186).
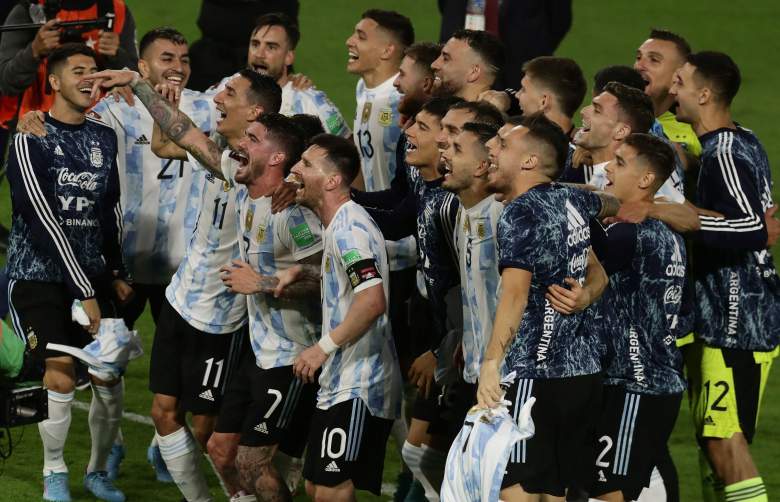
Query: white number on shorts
(327, 442)
(277, 399)
(608, 442)
(209, 363)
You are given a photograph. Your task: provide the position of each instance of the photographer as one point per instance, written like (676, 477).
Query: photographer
(23, 53)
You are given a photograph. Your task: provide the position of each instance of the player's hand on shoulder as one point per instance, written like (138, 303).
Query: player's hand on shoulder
(569, 300)
(123, 94)
(499, 99)
(631, 212)
(92, 309)
(240, 277)
(284, 196)
(489, 392)
(123, 291)
(301, 82)
(172, 93)
(581, 157)
(32, 122)
(284, 278)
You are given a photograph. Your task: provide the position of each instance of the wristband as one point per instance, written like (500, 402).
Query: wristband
(327, 344)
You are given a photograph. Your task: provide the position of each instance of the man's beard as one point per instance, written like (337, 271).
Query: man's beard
(409, 106)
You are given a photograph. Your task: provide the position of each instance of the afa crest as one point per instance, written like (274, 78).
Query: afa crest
(96, 156)
(385, 117)
(366, 114)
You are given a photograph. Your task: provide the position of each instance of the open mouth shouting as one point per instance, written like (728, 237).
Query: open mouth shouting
(221, 115)
(352, 56)
(240, 157)
(260, 67)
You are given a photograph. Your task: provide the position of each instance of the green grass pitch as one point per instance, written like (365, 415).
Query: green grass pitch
(604, 32)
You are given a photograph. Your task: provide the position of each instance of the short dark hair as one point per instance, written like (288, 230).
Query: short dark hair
(563, 77)
(617, 73)
(263, 90)
(486, 45)
(310, 125)
(550, 134)
(482, 131)
(439, 106)
(424, 54)
(342, 153)
(161, 33)
(286, 134)
(720, 71)
(658, 154)
(635, 105)
(283, 21)
(484, 112)
(682, 45)
(60, 55)
(399, 26)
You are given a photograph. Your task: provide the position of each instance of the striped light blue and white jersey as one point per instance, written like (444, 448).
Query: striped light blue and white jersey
(279, 329)
(160, 197)
(354, 258)
(477, 459)
(475, 237)
(313, 101)
(196, 291)
(377, 129)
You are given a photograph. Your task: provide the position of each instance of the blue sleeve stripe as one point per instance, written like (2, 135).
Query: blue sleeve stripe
(46, 216)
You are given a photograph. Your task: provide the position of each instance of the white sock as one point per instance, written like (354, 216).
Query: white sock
(432, 466)
(412, 456)
(54, 432)
(105, 413)
(182, 457)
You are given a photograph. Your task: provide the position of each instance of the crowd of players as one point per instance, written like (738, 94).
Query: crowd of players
(306, 278)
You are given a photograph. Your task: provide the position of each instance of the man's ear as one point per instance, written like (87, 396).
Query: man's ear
(54, 82)
(621, 132)
(253, 112)
(428, 85)
(647, 180)
(705, 95)
(143, 69)
(474, 73)
(482, 169)
(289, 58)
(277, 158)
(532, 162)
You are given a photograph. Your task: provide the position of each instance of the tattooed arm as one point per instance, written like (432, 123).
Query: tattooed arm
(172, 122)
(609, 205)
(301, 280)
(516, 283)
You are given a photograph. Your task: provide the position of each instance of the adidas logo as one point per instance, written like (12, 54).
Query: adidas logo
(142, 140)
(677, 267)
(332, 467)
(578, 227)
(261, 427)
(206, 394)
(58, 151)
(602, 478)
(708, 420)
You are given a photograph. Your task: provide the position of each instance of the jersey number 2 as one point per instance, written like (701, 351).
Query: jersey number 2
(162, 176)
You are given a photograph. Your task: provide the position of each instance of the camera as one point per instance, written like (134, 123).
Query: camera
(22, 403)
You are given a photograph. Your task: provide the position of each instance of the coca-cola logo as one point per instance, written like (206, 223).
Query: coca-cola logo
(673, 294)
(85, 180)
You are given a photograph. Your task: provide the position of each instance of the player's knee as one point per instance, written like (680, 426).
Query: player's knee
(311, 489)
(221, 453)
(342, 492)
(202, 429)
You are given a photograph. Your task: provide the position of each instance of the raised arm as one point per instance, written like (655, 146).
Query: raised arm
(172, 122)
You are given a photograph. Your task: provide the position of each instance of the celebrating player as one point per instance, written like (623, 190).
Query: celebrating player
(469, 64)
(65, 244)
(544, 239)
(646, 264)
(736, 282)
(360, 384)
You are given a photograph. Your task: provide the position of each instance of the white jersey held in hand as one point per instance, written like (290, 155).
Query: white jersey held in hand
(478, 457)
